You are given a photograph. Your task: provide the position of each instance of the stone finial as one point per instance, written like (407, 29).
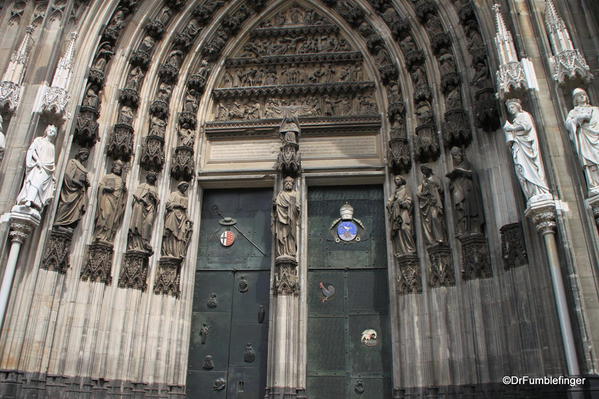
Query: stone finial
(11, 84)
(55, 98)
(511, 74)
(566, 62)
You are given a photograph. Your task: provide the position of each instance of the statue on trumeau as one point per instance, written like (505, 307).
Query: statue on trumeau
(73, 193)
(430, 196)
(465, 194)
(400, 210)
(145, 204)
(112, 196)
(286, 210)
(583, 125)
(177, 226)
(521, 136)
(39, 184)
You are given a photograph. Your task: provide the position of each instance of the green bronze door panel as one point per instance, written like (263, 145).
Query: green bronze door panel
(349, 340)
(229, 331)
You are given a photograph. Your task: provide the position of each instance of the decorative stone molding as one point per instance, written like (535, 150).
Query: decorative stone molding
(86, 127)
(543, 216)
(98, 266)
(293, 90)
(476, 261)
(11, 84)
(456, 128)
(317, 58)
(513, 246)
(120, 144)
(168, 277)
(306, 30)
(427, 143)
(134, 272)
(567, 63)
(20, 229)
(57, 251)
(182, 163)
(286, 279)
(441, 272)
(409, 279)
(152, 156)
(398, 155)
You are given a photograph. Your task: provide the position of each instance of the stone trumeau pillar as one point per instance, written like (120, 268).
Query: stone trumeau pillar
(284, 352)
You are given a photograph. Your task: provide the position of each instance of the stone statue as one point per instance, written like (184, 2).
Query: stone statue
(583, 125)
(399, 207)
(145, 203)
(39, 185)
(286, 218)
(465, 193)
(73, 193)
(112, 196)
(430, 195)
(290, 130)
(522, 137)
(2, 139)
(177, 226)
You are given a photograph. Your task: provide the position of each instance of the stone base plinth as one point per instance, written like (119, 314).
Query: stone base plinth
(168, 277)
(441, 272)
(98, 267)
(286, 281)
(57, 250)
(409, 278)
(476, 262)
(134, 273)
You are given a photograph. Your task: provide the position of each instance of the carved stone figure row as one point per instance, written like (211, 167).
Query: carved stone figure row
(309, 106)
(292, 74)
(583, 125)
(292, 44)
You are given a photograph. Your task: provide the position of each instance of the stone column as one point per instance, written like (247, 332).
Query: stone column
(21, 226)
(543, 215)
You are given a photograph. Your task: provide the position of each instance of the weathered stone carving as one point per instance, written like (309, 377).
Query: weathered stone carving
(286, 280)
(141, 57)
(145, 204)
(521, 136)
(97, 70)
(430, 195)
(169, 71)
(56, 97)
(198, 80)
(98, 267)
(177, 226)
(134, 272)
(400, 210)
(57, 251)
(456, 128)
(513, 246)
(168, 277)
(286, 215)
(112, 196)
(115, 26)
(466, 195)
(289, 159)
(86, 127)
(409, 280)
(398, 155)
(73, 193)
(441, 273)
(182, 167)
(120, 144)
(39, 184)
(583, 125)
(152, 157)
(476, 262)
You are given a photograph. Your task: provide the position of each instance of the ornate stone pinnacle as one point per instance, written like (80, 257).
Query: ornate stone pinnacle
(511, 74)
(543, 215)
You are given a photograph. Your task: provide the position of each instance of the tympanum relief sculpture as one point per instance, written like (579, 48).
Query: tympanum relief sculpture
(521, 136)
(583, 125)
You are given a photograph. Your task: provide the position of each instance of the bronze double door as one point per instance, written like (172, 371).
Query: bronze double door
(349, 340)
(229, 332)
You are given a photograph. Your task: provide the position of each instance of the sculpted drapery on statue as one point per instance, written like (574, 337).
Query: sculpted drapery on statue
(465, 193)
(286, 218)
(73, 193)
(399, 207)
(583, 125)
(177, 226)
(521, 136)
(39, 185)
(112, 196)
(430, 195)
(145, 203)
